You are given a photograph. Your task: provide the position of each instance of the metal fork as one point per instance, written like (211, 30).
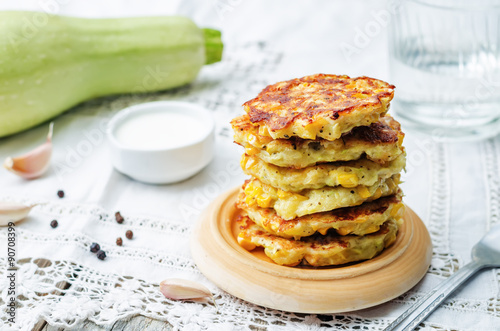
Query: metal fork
(485, 254)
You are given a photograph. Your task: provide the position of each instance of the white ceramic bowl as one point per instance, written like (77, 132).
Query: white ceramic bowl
(165, 164)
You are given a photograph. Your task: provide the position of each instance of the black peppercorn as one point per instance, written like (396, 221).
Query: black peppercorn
(95, 247)
(101, 255)
(54, 224)
(119, 241)
(119, 217)
(129, 234)
(60, 194)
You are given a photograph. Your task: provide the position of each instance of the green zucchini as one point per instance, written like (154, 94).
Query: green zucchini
(50, 63)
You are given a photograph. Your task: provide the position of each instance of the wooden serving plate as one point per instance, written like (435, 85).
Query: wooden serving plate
(253, 277)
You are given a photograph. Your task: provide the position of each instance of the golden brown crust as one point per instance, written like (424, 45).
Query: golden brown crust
(344, 173)
(317, 250)
(335, 103)
(290, 205)
(360, 220)
(380, 142)
(385, 131)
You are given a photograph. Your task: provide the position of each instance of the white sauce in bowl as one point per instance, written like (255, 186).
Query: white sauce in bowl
(159, 130)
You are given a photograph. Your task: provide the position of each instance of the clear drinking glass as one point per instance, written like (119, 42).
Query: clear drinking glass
(445, 63)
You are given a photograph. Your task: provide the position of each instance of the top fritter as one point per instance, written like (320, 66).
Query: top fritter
(319, 105)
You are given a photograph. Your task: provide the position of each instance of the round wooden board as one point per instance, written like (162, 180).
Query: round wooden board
(253, 277)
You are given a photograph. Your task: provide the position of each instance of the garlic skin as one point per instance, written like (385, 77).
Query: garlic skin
(13, 212)
(34, 163)
(183, 289)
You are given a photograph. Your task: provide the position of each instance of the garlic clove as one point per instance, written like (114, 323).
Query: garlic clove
(13, 212)
(183, 289)
(34, 163)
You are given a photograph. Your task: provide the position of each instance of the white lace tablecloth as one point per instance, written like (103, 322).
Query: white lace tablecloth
(455, 188)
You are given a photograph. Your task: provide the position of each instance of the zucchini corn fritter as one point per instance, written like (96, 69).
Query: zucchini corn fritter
(380, 142)
(319, 106)
(325, 162)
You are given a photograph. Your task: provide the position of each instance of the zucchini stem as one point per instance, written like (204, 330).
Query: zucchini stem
(213, 45)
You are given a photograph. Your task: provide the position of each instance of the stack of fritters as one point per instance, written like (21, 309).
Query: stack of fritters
(325, 161)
